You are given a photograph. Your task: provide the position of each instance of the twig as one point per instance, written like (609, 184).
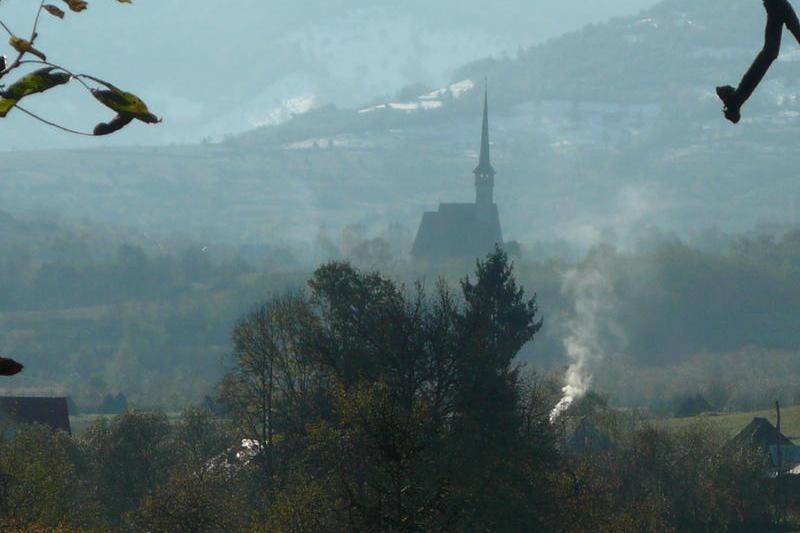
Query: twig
(3, 24)
(36, 21)
(59, 67)
(53, 124)
(13, 65)
(17, 61)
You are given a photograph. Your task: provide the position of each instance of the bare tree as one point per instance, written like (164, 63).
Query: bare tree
(270, 390)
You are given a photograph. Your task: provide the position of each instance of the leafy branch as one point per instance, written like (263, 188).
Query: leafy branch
(127, 106)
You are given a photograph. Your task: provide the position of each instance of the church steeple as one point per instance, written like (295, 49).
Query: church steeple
(484, 172)
(462, 230)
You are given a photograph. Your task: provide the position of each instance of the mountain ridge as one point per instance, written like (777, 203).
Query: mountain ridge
(574, 165)
(214, 70)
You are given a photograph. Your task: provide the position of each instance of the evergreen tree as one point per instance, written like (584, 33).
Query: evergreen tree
(489, 459)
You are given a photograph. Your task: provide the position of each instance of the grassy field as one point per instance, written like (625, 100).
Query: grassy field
(728, 423)
(732, 423)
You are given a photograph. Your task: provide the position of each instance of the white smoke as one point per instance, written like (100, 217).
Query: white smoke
(593, 326)
(589, 329)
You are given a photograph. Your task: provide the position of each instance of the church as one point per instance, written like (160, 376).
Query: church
(464, 230)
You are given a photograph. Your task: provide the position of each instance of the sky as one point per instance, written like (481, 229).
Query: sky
(212, 71)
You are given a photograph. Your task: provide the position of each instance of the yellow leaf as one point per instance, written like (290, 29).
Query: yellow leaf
(36, 82)
(76, 5)
(125, 1)
(124, 103)
(22, 46)
(53, 10)
(5, 106)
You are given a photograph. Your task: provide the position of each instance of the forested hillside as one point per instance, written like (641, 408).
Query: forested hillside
(91, 313)
(581, 156)
(215, 71)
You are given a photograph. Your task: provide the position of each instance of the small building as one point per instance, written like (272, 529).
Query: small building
(464, 230)
(759, 435)
(22, 410)
(693, 406)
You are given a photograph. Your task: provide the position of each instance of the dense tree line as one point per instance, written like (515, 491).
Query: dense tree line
(133, 321)
(71, 277)
(139, 472)
(365, 405)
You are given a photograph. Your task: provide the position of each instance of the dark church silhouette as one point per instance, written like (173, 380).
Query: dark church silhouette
(464, 230)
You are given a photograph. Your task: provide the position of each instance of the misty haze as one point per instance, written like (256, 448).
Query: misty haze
(399, 266)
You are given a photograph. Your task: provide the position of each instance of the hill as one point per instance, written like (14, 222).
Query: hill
(582, 157)
(214, 69)
(598, 134)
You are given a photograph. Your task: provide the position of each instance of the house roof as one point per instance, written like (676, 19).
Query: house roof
(760, 433)
(51, 412)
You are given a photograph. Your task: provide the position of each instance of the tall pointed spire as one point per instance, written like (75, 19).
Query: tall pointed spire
(484, 167)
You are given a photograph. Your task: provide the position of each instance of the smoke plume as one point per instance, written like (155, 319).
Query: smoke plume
(589, 329)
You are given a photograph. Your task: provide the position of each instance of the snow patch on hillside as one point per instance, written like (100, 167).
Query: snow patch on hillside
(432, 100)
(274, 104)
(289, 108)
(346, 141)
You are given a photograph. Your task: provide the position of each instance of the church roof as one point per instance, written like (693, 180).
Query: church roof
(463, 230)
(485, 162)
(458, 231)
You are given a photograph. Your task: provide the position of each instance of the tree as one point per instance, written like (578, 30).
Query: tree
(113, 405)
(418, 410)
(192, 503)
(198, 437)
(657, 479)
(496, 322)
(127, 106)
(363, 328)
(202, 493)
(382, 436)
(127, 458)
(40, 482)
(269, 393)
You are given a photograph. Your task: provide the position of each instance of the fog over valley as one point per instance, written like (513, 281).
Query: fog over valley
(590, 146)
(337, 265)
